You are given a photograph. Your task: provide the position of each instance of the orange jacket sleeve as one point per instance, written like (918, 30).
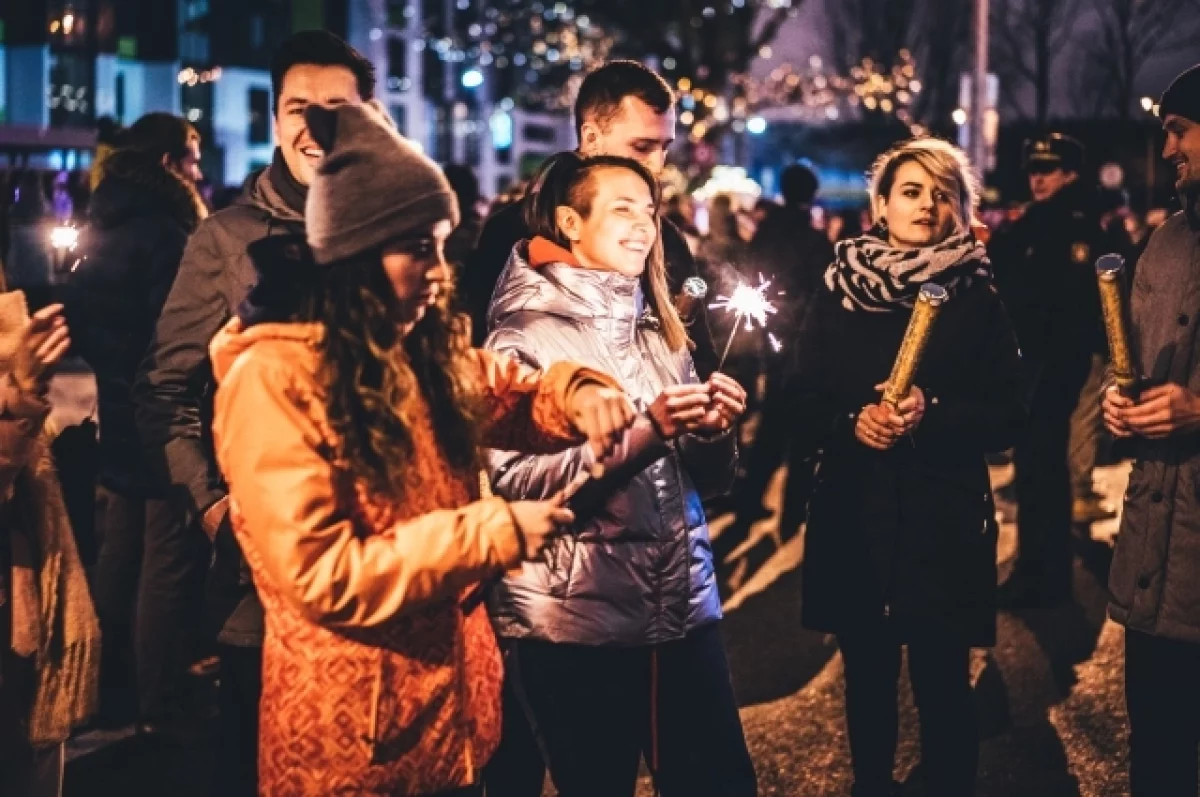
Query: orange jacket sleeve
(293, 529)
(528, 409)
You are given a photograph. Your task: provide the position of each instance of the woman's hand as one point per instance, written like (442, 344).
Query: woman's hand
(727, 404)
(679, 409)
(539, 521)
(878, 427)
(911, 409)
(602, 414)
(43, 344)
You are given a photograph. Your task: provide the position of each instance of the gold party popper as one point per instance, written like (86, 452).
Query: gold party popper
(929, 302)
(1110, 273)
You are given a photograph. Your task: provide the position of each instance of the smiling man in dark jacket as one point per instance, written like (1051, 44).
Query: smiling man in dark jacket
(140, 216)
(1154, 578)
(174, 389)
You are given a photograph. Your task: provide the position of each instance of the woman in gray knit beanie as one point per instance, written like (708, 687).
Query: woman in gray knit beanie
(348, 420)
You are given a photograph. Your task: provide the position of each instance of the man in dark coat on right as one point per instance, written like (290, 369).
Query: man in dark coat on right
(1155, 576)
(1044, 268)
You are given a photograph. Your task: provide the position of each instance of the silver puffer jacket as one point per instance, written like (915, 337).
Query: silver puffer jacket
(637, 567)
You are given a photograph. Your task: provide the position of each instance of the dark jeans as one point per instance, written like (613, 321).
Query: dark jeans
(1043, 481)
(148, 586)
(237, 752)
(1162, 693)
(517, 768)
(939, 669)
(598, 710)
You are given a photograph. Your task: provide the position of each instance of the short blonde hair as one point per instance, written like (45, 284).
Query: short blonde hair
(948, 165)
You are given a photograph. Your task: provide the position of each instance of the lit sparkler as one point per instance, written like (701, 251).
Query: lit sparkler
(749, 304)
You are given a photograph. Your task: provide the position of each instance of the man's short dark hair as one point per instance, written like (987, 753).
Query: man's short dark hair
(159, 134)
(798, 184)
(320, 48)
(602, 91)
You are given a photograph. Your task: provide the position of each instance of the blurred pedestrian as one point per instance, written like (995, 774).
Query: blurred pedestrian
(148, 573)
(1155, 576)
(1045, 270)
(49, 636)
(628, 662)
(625, 109)
(901, 540)
(794, 256)
(347, 420)
(843, 225)
(681, 211)
(723, 252)
(463, 240)
(173, 391)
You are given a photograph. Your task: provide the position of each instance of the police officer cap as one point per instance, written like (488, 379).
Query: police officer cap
(1182, 97)
(1054, 151)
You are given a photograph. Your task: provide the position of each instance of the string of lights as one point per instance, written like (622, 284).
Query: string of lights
(542, 49)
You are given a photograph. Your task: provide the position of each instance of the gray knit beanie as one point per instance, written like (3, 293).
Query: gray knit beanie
(372, 186)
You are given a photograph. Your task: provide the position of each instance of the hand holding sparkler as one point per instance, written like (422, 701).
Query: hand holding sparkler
(750, 304)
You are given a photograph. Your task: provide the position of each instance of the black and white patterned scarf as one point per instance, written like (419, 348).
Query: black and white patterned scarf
(869, 274)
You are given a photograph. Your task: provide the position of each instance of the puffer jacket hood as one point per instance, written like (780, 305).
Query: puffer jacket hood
(637, 567)
(610, 301)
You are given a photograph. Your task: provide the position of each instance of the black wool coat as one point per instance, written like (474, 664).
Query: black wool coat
(139, 220)
(907, 534)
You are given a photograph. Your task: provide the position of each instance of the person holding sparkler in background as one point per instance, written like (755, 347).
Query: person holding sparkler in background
(613, 635)
(901, 540)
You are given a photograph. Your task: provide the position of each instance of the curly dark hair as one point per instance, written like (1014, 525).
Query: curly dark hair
(369, 370)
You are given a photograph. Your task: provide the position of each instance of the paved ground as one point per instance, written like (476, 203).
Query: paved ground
(1051, 707)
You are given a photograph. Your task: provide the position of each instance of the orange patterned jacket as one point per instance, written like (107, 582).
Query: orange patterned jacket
(374, 680)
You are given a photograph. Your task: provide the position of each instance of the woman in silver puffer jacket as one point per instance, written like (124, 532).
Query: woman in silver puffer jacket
(613, 636)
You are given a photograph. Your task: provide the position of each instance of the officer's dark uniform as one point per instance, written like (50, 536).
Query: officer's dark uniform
(1045, 270)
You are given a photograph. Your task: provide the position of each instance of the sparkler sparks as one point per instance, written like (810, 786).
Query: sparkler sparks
(751, 304)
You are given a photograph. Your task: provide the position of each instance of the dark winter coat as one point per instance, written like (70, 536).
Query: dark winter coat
(174, 390)
(505, 228)
(1045, 268)
(1155, 575)
(909, 533)
(139, 220)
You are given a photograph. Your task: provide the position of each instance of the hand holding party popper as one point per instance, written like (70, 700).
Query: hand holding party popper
(901, 408)
(912, 348)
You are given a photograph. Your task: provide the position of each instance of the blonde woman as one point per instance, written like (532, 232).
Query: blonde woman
(901, 546)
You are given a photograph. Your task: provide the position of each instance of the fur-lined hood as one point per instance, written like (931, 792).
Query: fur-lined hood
(135, 184)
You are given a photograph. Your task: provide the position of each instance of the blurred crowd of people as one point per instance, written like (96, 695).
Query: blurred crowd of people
(427, 478)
